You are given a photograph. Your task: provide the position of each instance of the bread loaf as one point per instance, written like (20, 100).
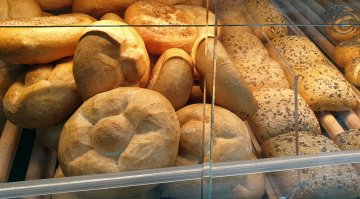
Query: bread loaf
(50, 135)
(55, 4)
(42, 96)
(173, 77)
(13, 9)
(347, 51)
(344, 20)
(338, 181)
(34, 45)
(8, 75)
(124, 129)
(232, 92)
(177, 27)
(352, 71)
(110, 57)
(276, 114)
(264, 12)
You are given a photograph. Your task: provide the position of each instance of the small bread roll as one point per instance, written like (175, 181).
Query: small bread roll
(110, 57)
(173, 77)
(42, 96)
(196, 95)
(352, 71)
(112, 16)
(8, 75)
(232, 14)
(200, 14)
(78, 15)
(338, 181)
(232, 91)
(345, 21)
(124, 129)
(14, 9)
(55, 4)
(265, 12)
(159, 39)
(50, 135)
(347, 51)
(276, 114)
(99, 8)
(34, 45)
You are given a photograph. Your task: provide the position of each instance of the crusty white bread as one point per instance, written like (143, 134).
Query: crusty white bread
(177, 31)
(107, 58)
(13, 9)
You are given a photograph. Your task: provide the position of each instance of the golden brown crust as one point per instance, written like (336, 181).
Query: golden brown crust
(158, 39)
(40, 45)
(125, 129)
(352, 71)
(43, 96)
(232, 91)
(112, 16)
(121, 60)
(173, 77)
(13, 9)
(55, 4)
(347, 51)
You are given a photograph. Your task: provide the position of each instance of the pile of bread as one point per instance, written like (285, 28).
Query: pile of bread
(118, 86)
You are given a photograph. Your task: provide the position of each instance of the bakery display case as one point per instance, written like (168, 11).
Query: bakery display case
(180, 99)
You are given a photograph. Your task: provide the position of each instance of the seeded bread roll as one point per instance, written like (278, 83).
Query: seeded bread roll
(276, 114)
(8, 75)
(232, 91)
(55, 4)
(13, 9)
(352, 71)
(345, 20)
(324, 88)
(160, 39)
(35, 45)
(110, 57)
(173, 77)
(339, 181)
(42, 96)
(264, 12)
(347, 51)
(295, 50)
(349, 140)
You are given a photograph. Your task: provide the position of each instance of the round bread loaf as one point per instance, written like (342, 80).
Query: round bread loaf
(347, 51)
(173, 77)
(99, 8)
(55, 4)
(110, 57)
(352, 71)
(112, 16)
(35, 45)
(124, 129)
(50, 135)
(232, 91)
(8, 74)
(346, 22)
(13, 9)
(42, 96)
(231, 142)
(337, 181)
(173, 28)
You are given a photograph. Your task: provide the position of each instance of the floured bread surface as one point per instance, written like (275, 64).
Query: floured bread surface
(124, 129)
(276, 114)
(324, 88)
(162, 26)
(38, 45)
(338, 181)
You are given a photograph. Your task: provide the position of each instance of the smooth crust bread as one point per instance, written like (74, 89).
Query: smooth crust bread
(265, 12)
(112, 16)
(347, 51)
(40, 45)
(55, 4)
(110, 57)
(42, 96)
(232, 91)
(99, 8)
(231, 142)
(338, 181)
(345, 20)
(324, 88)
(173, 77)
(125, 129)
(13, 9)
(352, 71)
(158, 39)
(276, 114)
(8, 75)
